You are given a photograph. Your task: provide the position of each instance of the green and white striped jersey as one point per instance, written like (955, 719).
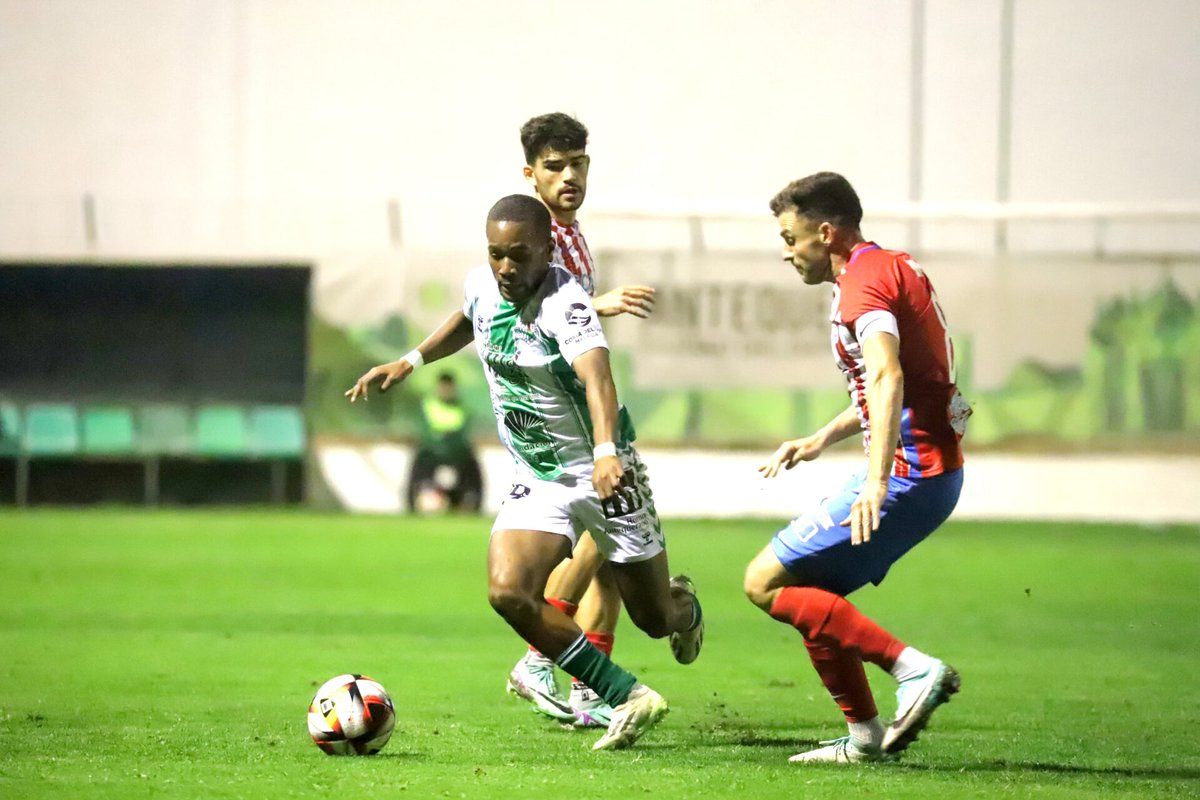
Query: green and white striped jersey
(540, 405)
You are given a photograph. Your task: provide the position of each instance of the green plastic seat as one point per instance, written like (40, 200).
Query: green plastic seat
(277, 432)
(165, 430)
(108, 430)
(10, 429)
(221, 431)
(51, 429)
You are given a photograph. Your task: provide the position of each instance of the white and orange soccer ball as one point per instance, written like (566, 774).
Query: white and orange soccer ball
(351, 715)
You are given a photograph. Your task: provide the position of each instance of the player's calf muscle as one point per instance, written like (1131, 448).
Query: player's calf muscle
(652, 619)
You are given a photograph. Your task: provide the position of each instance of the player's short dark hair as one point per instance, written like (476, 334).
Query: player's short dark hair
(821, 197)
(524, 209)
(446, 377)
(557, 130)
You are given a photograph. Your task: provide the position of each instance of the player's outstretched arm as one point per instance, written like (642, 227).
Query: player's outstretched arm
(885, 398)
(453, 335)
(595, 372)
(806, 448)
(632, 299)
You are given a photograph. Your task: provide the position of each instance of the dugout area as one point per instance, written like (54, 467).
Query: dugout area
(152, 383)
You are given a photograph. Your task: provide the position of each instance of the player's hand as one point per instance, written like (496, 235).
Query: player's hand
(395, 372)
(866, 511)
(791, 453)
(606, 476)
(635, 300)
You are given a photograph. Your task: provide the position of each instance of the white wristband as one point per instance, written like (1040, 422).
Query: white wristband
(604, 449)
(414, 358)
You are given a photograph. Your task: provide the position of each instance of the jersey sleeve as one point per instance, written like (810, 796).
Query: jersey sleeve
(569, 318)
(876, 321)
(869, 289)
(470, 293)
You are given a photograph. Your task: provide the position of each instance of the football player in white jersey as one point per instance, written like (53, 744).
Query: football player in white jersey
(556, 166)
(546, 361)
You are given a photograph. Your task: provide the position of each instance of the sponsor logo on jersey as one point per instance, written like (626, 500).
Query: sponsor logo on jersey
(578, 315)
(529, 433)
(960, 410)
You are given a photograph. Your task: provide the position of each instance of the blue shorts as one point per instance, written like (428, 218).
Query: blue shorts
(816, 549)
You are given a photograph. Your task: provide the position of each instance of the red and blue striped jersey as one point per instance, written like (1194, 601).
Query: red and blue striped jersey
(887, 290)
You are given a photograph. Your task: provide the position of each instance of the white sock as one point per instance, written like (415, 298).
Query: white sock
(867, 734)
(910, 663)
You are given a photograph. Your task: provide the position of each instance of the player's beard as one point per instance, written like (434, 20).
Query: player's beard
(570, 199)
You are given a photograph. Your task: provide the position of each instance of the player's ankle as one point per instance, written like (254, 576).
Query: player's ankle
(867, 735)
(910, 663)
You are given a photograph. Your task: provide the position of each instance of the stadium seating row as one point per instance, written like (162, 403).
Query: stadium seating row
(212, 431)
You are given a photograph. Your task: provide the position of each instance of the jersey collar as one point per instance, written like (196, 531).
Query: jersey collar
(859, 249)
(557, 226)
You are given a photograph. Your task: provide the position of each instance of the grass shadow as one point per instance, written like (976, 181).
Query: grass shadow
(1004, 765)
(399, 755)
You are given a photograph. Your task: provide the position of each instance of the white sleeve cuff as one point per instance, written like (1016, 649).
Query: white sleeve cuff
(874, 322)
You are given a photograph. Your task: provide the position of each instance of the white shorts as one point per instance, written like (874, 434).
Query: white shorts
(626, 528)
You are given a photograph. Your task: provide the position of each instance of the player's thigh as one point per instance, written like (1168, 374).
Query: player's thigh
(571, 579)
(532, 534)
(520, 561)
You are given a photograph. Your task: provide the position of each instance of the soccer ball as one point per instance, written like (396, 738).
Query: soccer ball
(351, 715)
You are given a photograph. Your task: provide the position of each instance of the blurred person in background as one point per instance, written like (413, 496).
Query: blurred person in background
(445, 473)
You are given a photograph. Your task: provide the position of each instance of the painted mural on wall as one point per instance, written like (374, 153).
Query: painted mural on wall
(1138, 384)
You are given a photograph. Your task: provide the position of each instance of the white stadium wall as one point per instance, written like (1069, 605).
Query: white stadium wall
(370, 138)
(702, 484)
(204, 127)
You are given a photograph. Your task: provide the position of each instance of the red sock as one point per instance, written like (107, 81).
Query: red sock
(842, 673)
(603, 641)
(565, 606)
(832, 620)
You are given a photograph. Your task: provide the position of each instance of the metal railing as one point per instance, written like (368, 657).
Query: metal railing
(96, 226)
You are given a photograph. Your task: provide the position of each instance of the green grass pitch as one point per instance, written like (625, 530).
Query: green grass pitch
(173, 654)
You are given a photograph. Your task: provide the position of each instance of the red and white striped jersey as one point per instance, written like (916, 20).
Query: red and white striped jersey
(571, 253)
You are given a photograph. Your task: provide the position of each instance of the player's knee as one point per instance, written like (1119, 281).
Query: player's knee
(758, 590)
(515, 605)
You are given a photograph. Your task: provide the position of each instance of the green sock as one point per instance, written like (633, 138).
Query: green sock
(584, 661)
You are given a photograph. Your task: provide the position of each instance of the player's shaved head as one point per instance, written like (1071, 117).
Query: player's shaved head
(821, 197)
(523, 209)
(557, 130)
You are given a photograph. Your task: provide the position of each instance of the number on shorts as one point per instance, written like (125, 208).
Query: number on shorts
(626, 500)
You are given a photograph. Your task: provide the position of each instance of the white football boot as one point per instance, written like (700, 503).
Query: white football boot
(640, 712)
(533, 679)
(685, 645)
(841, 751)
(916, 700)
(591, 710)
